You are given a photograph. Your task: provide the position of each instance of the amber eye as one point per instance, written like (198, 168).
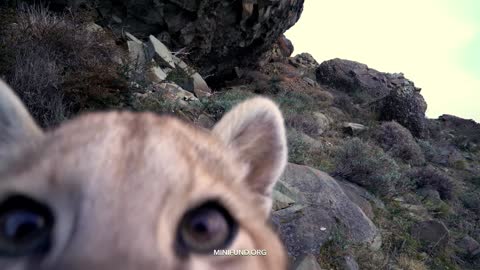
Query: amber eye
(25, 227)
(206, 228)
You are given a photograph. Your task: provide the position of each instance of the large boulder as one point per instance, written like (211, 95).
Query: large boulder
(469, 247)
(391, 95)
(353, 77)
(432, 233)
(464, 132)
(406, 106)
(321, 208)
(218, 35)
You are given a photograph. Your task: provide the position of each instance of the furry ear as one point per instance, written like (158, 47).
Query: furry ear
(255, 129)
(16, 124)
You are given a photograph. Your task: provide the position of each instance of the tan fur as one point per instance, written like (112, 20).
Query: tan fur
(118, 184)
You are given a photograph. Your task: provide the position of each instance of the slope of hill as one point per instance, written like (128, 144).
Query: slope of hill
(372, 184)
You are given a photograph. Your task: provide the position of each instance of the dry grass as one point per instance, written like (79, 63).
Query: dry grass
(57, 65)
(407, 263)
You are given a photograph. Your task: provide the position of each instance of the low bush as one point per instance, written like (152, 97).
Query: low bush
(431, 177)
(399, 142)
(220, 103)
(305, 123)
(367, 165)
(471, 201)
(306, 151)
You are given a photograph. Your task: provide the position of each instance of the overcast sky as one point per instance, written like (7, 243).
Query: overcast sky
(435, 43)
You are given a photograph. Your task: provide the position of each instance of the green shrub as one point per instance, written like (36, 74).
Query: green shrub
(367, 165)
(155, 102)
(305, 123)
(306, 151)
(430, 151)
(220, 103)
(430, 177)
(295, 102)
(180, 77)
(399, 142)
(297, 147)
(471, 201)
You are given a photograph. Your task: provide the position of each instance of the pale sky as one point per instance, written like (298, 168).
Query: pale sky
(435, 43)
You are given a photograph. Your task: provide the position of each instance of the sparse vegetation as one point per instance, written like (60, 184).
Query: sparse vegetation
(180, 77)
(471, 201)
(431, 177)
(57, 66)
(305, 123)
(399, 142)
(367, 165)
(222, 102)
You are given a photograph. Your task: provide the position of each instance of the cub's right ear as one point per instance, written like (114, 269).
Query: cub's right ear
(16, 123)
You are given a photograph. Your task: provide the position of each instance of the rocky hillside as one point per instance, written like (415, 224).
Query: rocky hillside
(372, 183)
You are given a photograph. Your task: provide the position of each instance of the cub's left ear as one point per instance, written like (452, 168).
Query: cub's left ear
(255, 129)
(16, 123)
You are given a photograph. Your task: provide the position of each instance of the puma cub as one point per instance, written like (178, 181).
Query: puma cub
(122, 190)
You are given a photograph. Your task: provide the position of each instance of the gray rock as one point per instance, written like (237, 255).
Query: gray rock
(405, 105)
(93, 27)
(178, 94)
(433, 233)
(219, 34)
(349, 263)
(160, 52)
(200, 87)
(304, 61)
(306, 64)
(308, 262)
(353, 129)
(391, 96)
(116, 19)
(136, 53)
(359, 196)
(350, 76)
(133, 38)
(281, 201)
(310, 81)
(469, 246)
(159, 74)
(320, 204)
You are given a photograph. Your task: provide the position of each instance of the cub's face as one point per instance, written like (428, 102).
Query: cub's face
(121, 190)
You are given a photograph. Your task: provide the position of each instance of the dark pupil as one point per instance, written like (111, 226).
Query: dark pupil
(200, 227)
(21, 225)
(206, 225)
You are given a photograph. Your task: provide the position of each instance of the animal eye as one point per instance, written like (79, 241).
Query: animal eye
(206, 228)
(25, 227)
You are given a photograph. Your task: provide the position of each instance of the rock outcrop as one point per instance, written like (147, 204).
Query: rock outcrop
(163, 65)
(392, 96)
(321, 208)
(469, 247)
(218, 35)
(432, 233)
